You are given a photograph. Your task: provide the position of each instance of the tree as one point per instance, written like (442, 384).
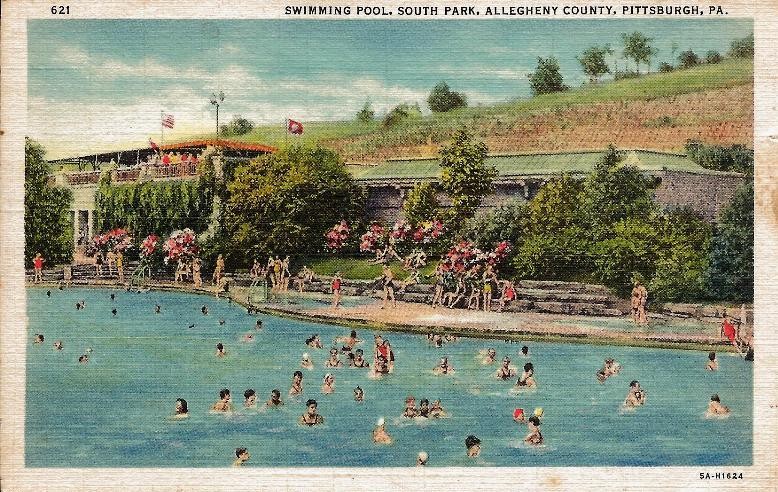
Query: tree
(400, 113)
(466, 177)
(730, 273)
(238, 126)
(421, 204)
(688, 59)
(665, 67)
(48, 227)
(546, 78)
(442, 99)
(592, 61)
(507, 222)
(637, 47)
(366, 114)
(283, 203)
(613, 192)
(712, 56)
(742, 48)
(684, 243)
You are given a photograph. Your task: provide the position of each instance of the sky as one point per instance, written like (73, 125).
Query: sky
(99, 85)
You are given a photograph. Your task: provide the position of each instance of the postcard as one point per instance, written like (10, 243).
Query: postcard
(332, 245)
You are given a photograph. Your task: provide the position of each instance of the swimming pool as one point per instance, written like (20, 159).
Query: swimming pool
(113, 411)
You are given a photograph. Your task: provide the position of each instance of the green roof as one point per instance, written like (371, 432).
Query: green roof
(529, 165)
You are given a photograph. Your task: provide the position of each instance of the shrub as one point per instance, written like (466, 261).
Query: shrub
(421, 204)
(400, 113)
(742, 48)
(688, 59)
(665, 67)
(730, 272)
(713, 56)
(443, 99)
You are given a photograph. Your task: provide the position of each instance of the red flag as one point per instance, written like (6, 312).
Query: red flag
(154, 146)
(168, 120)
(294, 127)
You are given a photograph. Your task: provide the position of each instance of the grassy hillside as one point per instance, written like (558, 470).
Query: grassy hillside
(658, 111)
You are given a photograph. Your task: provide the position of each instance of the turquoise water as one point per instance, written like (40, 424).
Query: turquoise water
(113, 411)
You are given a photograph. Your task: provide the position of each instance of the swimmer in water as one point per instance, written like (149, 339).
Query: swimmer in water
(525, 351)
(204, 309)
(359, 394)
(250, 398)
(220, 352)
(113, 311)
(505, 372)
(333, 361)
(275, 399)
(715, 407)
(58, 344)
(242, 455)
(297, 384)
(380, 436)
(713, 364)
(48, 293)
(424, 408)
(258, 326)
(422, 458)
(182, 410)
(38, 339)
(328, 385)
(443, 367)
(113, 297)
(349, 341)
(83, 359)
(436, 410)
(610, 368)
(314, 341)
(491, 356)
(519, 416)
(157, 309)
(359, 359)
(248, 337)
(306, 362)
(223, 405)
(534, 437)
(381, 366)
(527, 378)
(410, 408)
(437, 340)
(221, 322)
(310, 417)
(636, 395)
(473, 445)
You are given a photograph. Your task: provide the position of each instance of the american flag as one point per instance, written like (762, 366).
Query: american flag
(168, 120)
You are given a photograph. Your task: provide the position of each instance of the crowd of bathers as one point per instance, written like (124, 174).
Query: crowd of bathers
(382, 363)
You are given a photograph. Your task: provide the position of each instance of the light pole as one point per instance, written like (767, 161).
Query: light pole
(216, 100)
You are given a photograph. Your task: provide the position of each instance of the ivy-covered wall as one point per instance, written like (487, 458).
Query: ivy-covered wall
(154, 206)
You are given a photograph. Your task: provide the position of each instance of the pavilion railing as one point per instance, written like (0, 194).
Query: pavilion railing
(87, 177)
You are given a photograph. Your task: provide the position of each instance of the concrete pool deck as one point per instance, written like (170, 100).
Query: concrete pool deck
(366, 313)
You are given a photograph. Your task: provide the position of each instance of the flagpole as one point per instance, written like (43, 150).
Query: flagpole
(162, 126)
(286, 133)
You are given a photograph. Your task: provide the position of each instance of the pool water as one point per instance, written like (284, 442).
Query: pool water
(114, 411)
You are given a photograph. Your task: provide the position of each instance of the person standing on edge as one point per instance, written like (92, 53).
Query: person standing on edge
(120, 266)
(37, 263)
(336, 290)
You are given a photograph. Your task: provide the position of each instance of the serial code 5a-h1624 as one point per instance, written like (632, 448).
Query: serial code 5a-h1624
(721, 476)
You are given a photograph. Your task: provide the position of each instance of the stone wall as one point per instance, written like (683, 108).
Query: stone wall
(707, 194)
